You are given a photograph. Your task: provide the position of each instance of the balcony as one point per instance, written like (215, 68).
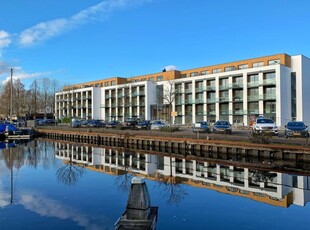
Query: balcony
(200, 89)
(178, 90)
(252, 84)
(269, 81)
(224, 99)
(236, 85)
(224, 87)
(199, 101)
(188, 101)
(253, 111)
(238, 98)
(253, 98)
(188, 90)
(224, 112)
(211, 88)
(211, 100)
(179, 102)
(211, 112)
(268, 97)
(238, 112)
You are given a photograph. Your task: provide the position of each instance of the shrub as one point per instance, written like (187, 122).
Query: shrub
(261, 138)
(169, 129)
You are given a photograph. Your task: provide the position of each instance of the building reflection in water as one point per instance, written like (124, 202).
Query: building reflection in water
(275, 188)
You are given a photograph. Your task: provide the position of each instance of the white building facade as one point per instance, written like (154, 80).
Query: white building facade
(273, 86)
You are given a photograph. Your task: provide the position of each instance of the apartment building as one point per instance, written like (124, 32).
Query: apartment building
(274, 86)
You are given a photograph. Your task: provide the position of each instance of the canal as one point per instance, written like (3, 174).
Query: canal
(61, 185)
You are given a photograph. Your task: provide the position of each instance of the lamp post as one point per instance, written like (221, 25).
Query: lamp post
(11, 97)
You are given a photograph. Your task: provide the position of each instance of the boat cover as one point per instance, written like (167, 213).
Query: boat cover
(11, 127)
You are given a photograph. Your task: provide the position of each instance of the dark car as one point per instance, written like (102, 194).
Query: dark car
(96, 123)
(296, 129)
(144, 125)
(129, 124)
(201, 127)
(222, 127)
(112, 124)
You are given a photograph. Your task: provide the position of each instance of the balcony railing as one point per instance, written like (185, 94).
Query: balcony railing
(223, 99)
(211, 100)
(268, 97)
(269, 81)
(211, 88)
(224, 112)
(188, 101)
(188, 90)
(253, 98)
(199, 101)
(224, 87)
(200, 89)
(253, 111)
(237, 85)
(238, 98)
(253, 84)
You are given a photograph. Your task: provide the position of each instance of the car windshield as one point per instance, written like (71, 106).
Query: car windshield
(222, 123)
(296, 124)
(264, 121)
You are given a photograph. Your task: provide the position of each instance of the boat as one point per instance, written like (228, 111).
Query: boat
(10, 132)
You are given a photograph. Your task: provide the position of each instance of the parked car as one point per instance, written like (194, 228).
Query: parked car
(129, 123)
(296, 129)
(201, 127)
(144, 125)
(157, 125)
(75, 124)
(95, 123)
(112, 124)
(222, 126)
(84, 123)
(265, 125)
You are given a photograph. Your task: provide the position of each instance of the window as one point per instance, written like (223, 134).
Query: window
(229, 68)
(106, 83)
(216, 70)
(194, 74)
(258, 64)
(244, 66)
(183, 75)
(151, 78)
(112, 82)
(159, 78)
(274, 62)
(204, 72)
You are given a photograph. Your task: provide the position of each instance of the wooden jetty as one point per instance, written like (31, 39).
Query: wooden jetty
(184, 146)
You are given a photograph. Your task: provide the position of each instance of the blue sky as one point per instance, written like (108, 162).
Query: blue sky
(78, 41)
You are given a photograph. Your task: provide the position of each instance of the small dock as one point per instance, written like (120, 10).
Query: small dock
(184, 146)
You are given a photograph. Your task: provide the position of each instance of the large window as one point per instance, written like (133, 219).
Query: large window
(216, 70)
(244, 66)
(258, 64)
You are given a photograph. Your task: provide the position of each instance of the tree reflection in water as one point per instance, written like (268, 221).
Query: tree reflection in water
(70, 173)
(173, 191)
(123, 181)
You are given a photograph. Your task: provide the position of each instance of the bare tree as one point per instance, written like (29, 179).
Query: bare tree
(169, 98)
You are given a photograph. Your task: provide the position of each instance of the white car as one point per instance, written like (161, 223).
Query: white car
(265, 125)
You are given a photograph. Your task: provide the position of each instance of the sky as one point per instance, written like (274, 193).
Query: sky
(79, 41)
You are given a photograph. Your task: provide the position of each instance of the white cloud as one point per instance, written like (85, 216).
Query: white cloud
(5, 39)
(46, 30)
(170, 67)
(19, 74)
